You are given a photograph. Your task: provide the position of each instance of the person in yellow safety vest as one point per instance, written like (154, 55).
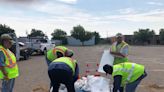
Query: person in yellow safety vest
(8, 65)
(63, 70)
(119, 50)
(127, 76)
(58, 51)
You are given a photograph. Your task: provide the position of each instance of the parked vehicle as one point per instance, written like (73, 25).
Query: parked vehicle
(39, 45)
(18, 49)
(25, 52)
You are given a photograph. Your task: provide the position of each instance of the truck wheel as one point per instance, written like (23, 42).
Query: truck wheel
(25, 57)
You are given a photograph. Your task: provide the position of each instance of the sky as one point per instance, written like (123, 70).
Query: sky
(107, 17)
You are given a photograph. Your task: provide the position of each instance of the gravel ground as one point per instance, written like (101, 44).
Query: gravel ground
(33, 72)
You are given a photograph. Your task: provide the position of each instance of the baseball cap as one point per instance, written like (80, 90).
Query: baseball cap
(7, 37)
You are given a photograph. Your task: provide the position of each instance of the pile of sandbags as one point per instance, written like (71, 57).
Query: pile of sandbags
(90, 84)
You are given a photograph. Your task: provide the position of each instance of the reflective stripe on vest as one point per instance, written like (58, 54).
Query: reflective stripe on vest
(58, 49)
(51, 54)
(11, 62)
(118, 48)
(129, 71)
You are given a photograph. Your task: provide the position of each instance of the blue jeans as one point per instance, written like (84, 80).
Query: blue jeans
(8, 85)
(131, 87)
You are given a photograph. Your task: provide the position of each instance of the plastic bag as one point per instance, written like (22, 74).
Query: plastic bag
(98, 84)
(89, 84)
(78, 87)
(81, 85)
(62, 88)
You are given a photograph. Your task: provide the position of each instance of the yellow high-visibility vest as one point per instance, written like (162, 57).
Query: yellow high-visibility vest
(69, 61)
(118, 48)
(51, 54)
(10, 64)
(129, 72)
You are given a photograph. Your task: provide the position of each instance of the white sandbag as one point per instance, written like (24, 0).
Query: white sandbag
(98, 84)
(82, 85)
(106, 58)
(62, 88)
(89, 84)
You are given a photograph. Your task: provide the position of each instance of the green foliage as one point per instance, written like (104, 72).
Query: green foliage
(35, 33)
(143, 35)
(97, 37)
(59, 34)
(5, 29)
(79, 32)
(161, 34)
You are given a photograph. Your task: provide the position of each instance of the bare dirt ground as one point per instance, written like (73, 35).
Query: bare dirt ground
(33, 72)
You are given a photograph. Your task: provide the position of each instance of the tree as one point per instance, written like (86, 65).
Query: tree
(143, 35)
(35, 33)
(97, 37)
(161, 35)
(79, 32)
(59, 34)
(5, 29)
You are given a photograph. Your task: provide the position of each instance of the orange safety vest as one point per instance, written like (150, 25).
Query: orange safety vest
(51, 54)
(10, 64)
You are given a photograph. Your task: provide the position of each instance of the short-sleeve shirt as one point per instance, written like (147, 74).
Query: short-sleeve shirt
(125, 50)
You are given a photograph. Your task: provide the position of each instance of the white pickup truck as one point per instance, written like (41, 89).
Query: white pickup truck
(40, 45)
